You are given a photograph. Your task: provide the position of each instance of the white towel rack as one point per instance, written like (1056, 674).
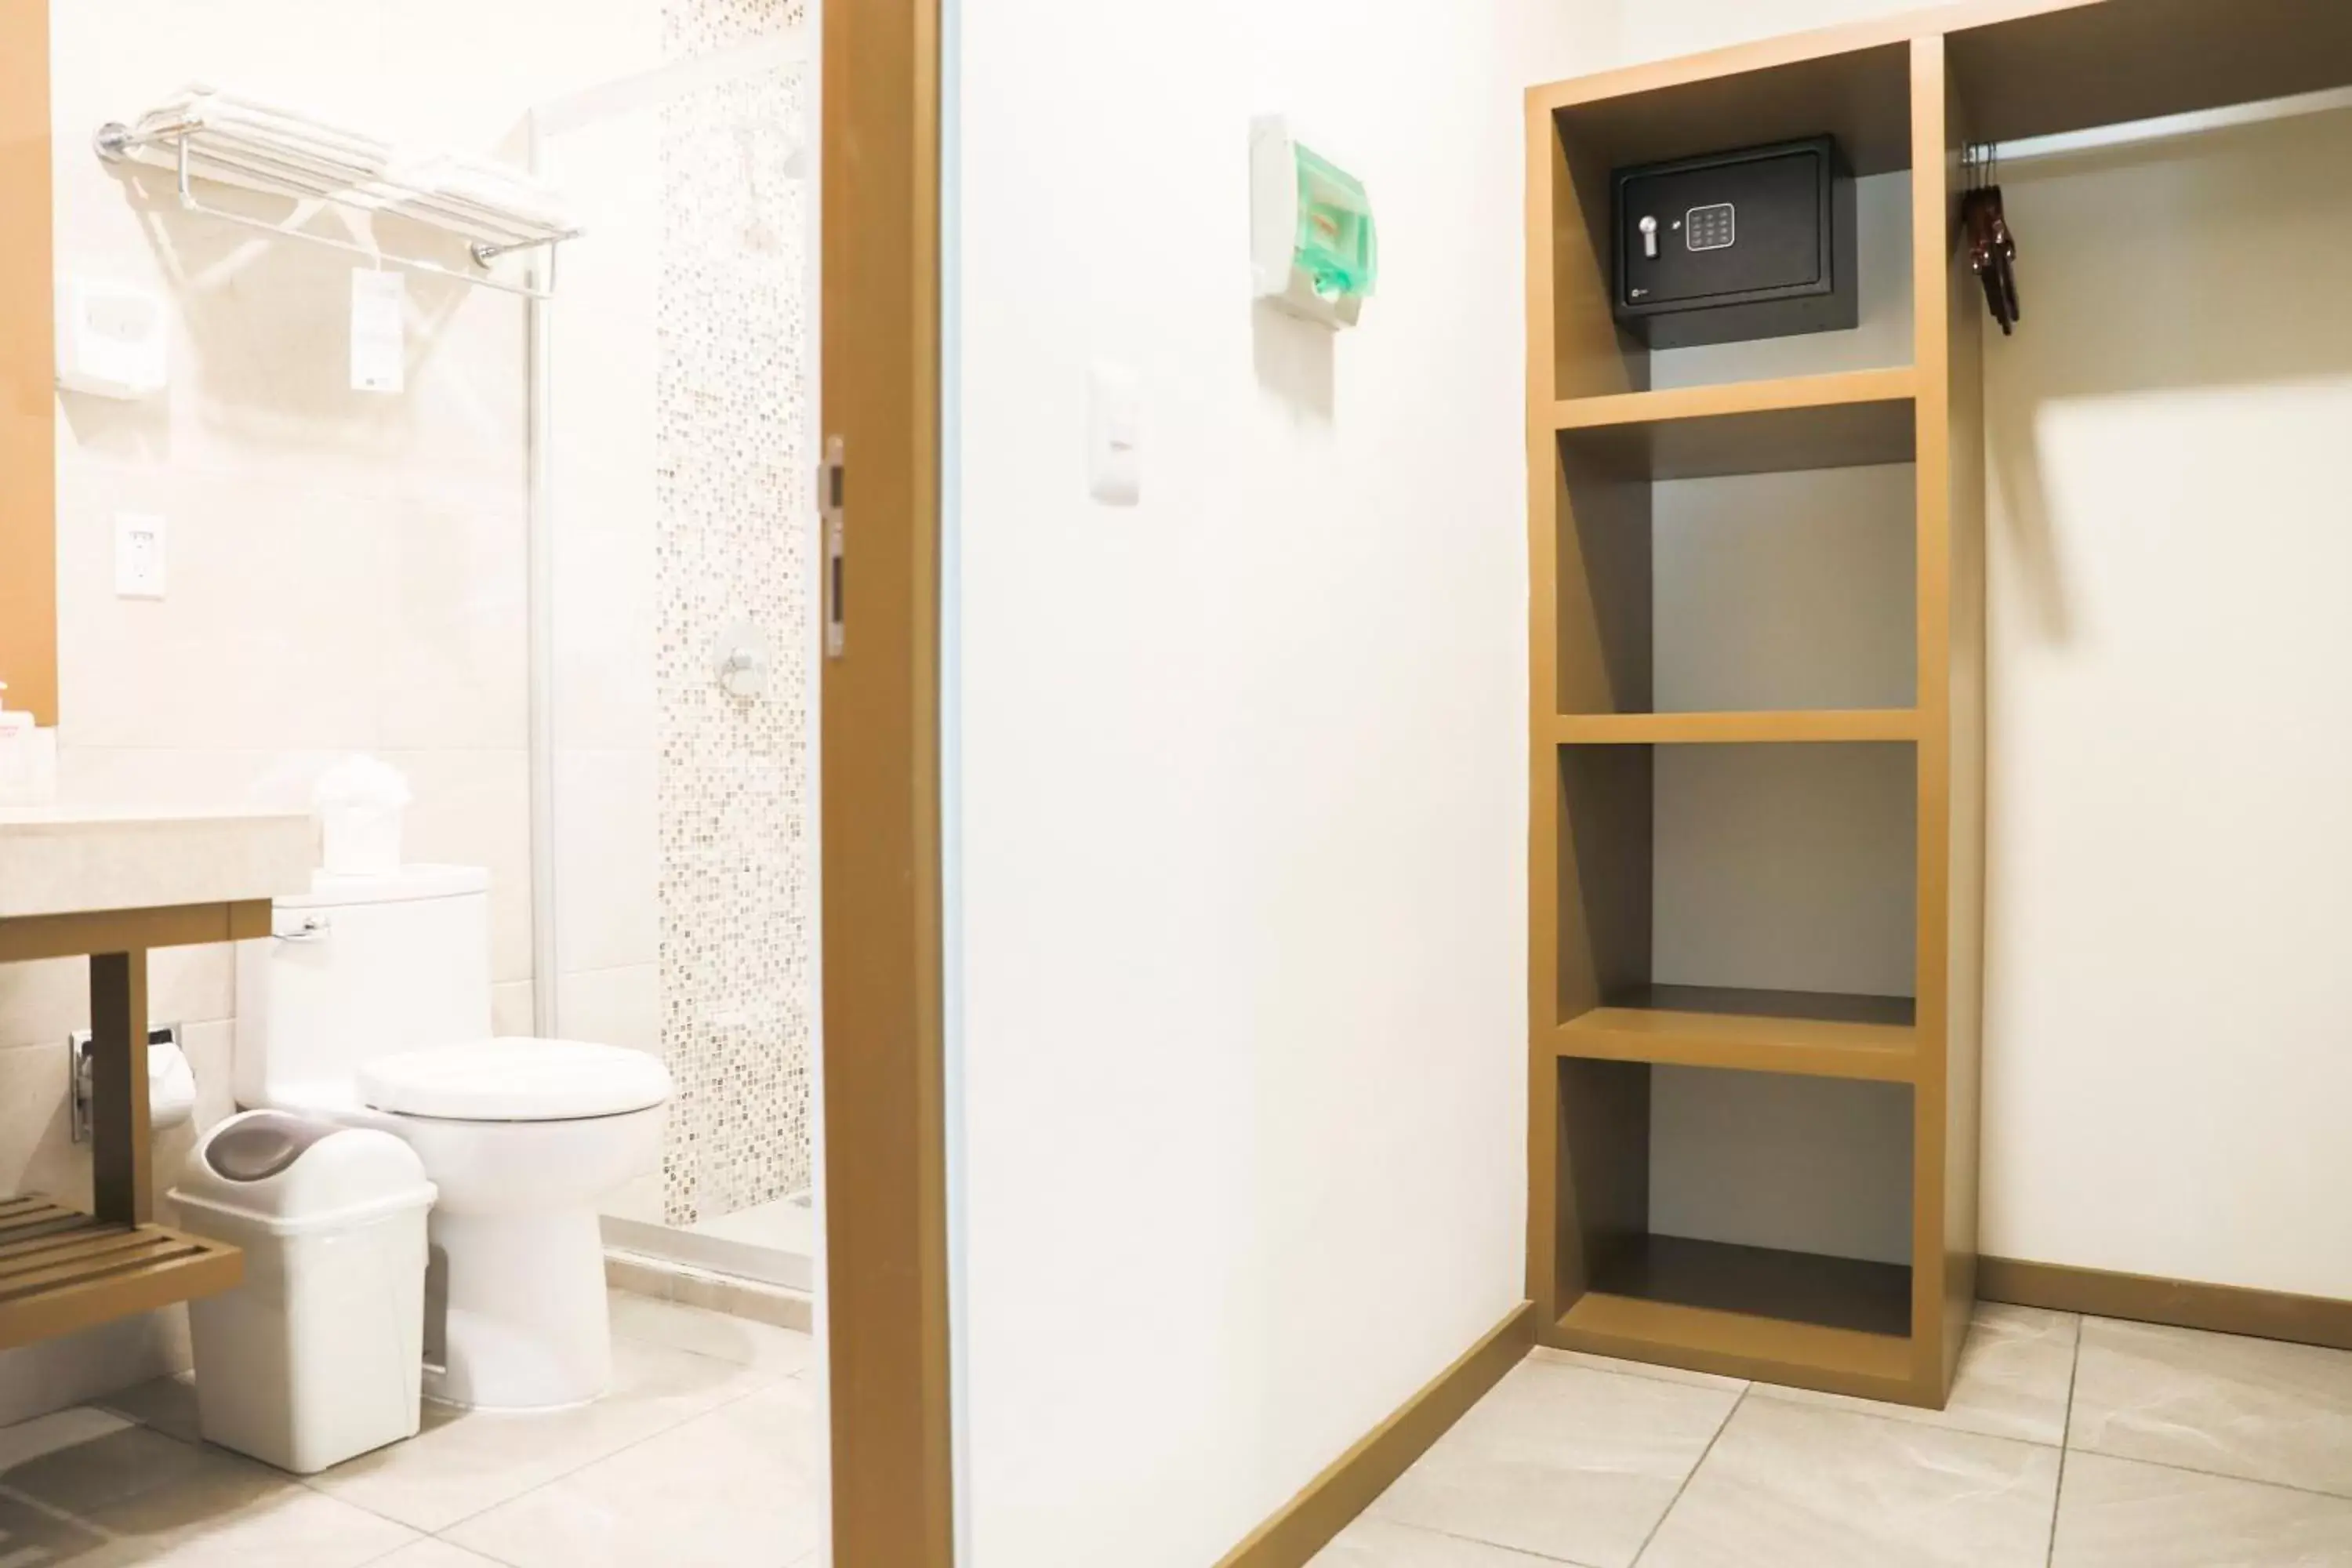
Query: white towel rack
(193, 149)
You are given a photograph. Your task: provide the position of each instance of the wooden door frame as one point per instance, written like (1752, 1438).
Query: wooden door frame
(29, 401)
(884, 1121)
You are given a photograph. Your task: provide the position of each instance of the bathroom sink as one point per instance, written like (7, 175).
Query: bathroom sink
(69, 861)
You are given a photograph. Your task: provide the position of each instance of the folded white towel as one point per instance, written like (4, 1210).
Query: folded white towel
(489, 188)
(260, 146)
(266, 124)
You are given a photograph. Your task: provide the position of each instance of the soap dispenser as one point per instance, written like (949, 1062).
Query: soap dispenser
(28, 758)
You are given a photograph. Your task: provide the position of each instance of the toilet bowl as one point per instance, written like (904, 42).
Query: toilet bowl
(369, 1005)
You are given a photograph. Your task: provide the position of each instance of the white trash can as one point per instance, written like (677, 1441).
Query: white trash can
(319, 1355)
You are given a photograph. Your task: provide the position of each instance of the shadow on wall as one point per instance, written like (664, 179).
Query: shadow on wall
(2143, 270)
(269, 319)
(1294, 360)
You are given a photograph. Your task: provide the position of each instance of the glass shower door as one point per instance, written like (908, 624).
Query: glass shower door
(675, 626)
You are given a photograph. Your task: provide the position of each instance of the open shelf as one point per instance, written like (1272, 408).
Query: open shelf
(1810, 1033)
(1763, 869)
(1760, 1282)
(1757, 606)
(1775, 90)
(1753, 607)
(1816, 726)
(1850, 419)
(1639, 1325)
(62, 1270)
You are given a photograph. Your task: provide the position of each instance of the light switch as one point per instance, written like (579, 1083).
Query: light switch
(137, 555)
(1114, 435)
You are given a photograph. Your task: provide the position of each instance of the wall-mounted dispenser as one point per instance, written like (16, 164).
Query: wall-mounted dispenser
(112, 340)
(1313, 250)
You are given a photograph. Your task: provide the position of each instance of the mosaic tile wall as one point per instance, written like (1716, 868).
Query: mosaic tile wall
(735, 542)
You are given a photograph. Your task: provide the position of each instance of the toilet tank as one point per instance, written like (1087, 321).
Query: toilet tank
(357, 967)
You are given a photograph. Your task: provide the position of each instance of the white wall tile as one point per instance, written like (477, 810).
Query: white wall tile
(152, 775)
(604, 635)
(454, 668)
(271, 631)
(473, 809)
(36, 1151)
(38, 1378)
(41, 1002)
(511, 1008)
(607, 853)
(612, 1007)
(640, 1200)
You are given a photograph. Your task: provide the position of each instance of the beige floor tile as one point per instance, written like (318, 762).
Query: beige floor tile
(2014, 1375)
(741, 1485)
(30, 1535)
(467, 1461)
(2256, 1409)
(1561, 1461)
(431, 1552)
(168, 1405)
(229, 1526)
(2120, 1513)
(110, 1494)
(1376, 1543)
(738, 1340)
(82, 1461)
(1789, 1486)
(1636, 1369)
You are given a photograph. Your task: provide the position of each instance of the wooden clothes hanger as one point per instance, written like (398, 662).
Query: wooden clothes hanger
(1992, 249)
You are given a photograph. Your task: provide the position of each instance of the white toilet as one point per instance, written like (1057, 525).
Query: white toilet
(371, 1006)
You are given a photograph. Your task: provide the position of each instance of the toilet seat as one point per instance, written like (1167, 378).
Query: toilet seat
(514, 1079)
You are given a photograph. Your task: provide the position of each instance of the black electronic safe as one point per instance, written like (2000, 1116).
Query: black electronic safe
(1753, 244)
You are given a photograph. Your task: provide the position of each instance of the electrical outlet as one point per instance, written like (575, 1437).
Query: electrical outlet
(137, 555)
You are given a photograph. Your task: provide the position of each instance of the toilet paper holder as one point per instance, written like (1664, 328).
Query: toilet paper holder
(83, 1074)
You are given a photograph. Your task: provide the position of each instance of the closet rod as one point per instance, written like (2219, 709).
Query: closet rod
(2131, 132)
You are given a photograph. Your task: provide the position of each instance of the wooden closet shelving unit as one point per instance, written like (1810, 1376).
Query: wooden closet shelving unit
(1906, 92)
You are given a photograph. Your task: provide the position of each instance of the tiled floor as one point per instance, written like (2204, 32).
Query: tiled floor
(2069, 1443)
(707, 1453)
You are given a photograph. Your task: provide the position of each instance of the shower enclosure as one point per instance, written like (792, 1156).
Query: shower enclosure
(674, 622)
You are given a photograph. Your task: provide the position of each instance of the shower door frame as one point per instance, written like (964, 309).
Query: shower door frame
(885, 1122)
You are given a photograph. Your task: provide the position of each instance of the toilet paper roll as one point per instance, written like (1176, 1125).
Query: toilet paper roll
(171, 1088)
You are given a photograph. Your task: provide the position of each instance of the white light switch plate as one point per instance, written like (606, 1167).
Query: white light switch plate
(137, 555)
(1114, 435)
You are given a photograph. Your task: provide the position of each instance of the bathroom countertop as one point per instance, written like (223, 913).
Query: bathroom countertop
(69, 861)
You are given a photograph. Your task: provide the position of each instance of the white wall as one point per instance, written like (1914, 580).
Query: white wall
(2170, 1011)
(346, 570)
(1654, 29)
(1243, 771)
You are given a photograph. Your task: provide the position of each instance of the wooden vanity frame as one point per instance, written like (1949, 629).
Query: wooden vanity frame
(62, 1270)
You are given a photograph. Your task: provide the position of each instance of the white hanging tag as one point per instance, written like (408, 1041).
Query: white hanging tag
(379, 322)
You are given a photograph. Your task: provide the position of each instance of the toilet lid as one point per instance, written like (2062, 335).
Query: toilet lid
(515, 1080)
